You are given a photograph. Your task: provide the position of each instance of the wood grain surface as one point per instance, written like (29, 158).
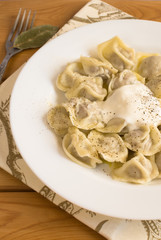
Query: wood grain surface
(25, 214)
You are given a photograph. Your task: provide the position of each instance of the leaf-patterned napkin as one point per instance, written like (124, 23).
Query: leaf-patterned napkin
(12, 162)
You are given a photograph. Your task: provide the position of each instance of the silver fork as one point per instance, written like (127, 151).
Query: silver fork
(19, 26)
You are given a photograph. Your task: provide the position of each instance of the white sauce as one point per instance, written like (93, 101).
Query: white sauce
(133, 103)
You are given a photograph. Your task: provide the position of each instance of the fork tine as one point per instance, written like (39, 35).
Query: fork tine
(15, 25)
(27, 21)
(33, 18)
(20, 27)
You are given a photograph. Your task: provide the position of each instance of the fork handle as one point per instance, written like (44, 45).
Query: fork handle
(3, 65)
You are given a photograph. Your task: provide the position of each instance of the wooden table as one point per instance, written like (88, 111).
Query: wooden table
(25, 214)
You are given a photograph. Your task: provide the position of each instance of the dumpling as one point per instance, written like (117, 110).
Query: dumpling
(94, 67)
(140, 56)
(67, 78)
(87, 87)
(83, 113)
(115, 125)
(150, 67)
(58, 119)
(155, 170)
(138, 169)
(155, 86)
(146, 140)
(126, 77)
(117, 53)
(110, 146)
(158, 162)
(79, 149)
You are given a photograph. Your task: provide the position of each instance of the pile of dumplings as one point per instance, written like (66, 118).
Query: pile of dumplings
(133, 154)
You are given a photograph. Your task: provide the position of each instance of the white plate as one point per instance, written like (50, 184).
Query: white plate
(35, 92)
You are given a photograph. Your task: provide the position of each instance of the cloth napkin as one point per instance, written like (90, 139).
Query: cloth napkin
(12, 162)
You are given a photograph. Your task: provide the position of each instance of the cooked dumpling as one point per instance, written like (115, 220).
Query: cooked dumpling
(87, 87)
(83, 113)
(146, 140)
(126, 77)
(138, 169)
(79, 149)
(140, 56)
(158, 162)
(58, 119)
(67, 78)
(150, 67)
(117, 53)
(155, 86)
(110, 146)
(94, 67)
(115, 125)
(155, 169)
